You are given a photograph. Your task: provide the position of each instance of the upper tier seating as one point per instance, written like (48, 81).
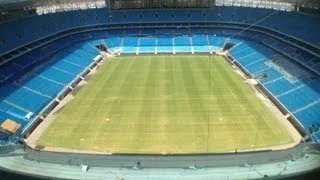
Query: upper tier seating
(14, 34)
(132, 16)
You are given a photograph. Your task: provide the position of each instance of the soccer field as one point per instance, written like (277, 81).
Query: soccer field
(165, 104)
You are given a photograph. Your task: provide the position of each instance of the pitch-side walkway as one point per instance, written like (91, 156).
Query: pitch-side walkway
(20, 165)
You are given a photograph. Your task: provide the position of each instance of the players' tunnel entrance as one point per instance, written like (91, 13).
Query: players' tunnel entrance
(228, 45)
(102, 47)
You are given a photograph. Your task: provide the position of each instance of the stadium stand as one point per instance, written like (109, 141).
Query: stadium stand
(22, 100)
(284, 57)
(294, 87)
(43, 27)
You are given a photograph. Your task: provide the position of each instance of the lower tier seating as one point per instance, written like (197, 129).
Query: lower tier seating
(49, 70)
(22, 99)
(295, 87)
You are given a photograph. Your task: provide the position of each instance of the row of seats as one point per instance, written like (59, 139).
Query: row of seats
(15, 34)
(23, 98)
(26, 30)
(303, 57)
(193, 40)
(35, 57)
(295, 87)
(162, 40)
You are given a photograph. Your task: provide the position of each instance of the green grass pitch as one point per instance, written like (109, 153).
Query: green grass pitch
(165, 104)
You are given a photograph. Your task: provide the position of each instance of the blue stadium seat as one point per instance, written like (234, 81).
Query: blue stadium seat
(103, 15)
(56, 75)
(25, 98)
(197, 15)
(130, 41)
(199, 40)
(180, 15)
(113, 41)
(148, 16)
(117, 17)
(182, 41)
(165, 16)
(216, 41)
(133, 16)
(9, 69)
(165, 41)
(43, 85)
(148, 33)
(212, 15)
(147, 41)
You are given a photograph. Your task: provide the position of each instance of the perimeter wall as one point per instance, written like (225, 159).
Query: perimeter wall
(167, 161)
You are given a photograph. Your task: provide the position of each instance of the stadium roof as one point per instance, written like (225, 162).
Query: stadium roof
(14, 4)
(7, 5)
(313, 4)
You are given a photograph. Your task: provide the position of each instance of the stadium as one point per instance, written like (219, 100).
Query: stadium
(172, 89)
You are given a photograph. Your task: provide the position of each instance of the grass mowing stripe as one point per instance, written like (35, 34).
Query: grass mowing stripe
(173, 104)
(238, 96)
(199, 113)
